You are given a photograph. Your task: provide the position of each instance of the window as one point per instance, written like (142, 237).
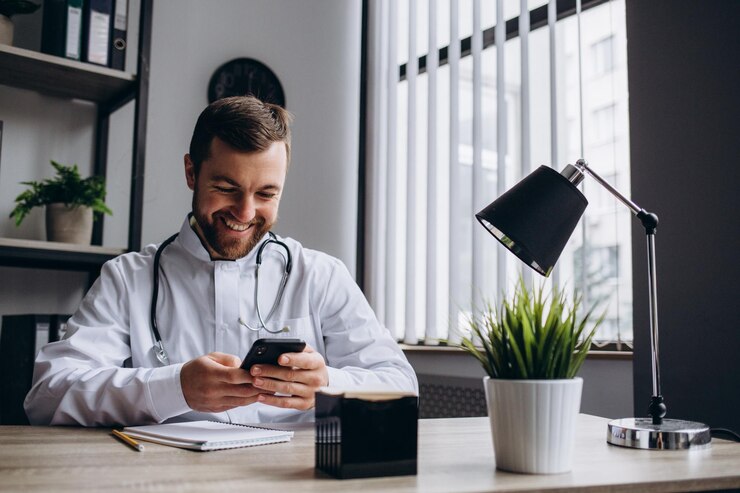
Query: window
(603, 56)
(429, 262)
(603, 123)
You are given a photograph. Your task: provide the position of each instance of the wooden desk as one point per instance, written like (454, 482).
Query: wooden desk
(454, 455)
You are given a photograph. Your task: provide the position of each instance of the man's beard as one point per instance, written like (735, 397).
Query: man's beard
(230, 248)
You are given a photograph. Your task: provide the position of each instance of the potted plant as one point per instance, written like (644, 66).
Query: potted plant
(70, 202)
(531, 350)
(9, 8)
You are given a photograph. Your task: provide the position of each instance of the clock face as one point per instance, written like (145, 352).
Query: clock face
(244, 76)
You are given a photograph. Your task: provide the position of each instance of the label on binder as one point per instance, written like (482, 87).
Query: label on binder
(74, 27)
(97, 48)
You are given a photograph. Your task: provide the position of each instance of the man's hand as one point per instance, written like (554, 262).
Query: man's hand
(214, 383)
(299, 376)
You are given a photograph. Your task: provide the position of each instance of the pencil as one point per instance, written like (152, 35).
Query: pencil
(128, 441)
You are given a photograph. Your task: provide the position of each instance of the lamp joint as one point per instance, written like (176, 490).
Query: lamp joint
(657, 409)
(573, 173)
(649, 221)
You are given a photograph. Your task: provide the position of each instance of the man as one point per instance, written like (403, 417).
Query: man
(211, 305)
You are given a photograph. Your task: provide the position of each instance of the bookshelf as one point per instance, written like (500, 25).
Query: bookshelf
(54, 255)
(56, 76)
(109, 89)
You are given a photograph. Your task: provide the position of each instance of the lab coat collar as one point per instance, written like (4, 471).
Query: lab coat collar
(191, 243)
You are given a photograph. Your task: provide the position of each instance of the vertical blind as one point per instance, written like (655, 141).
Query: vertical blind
(450, 129)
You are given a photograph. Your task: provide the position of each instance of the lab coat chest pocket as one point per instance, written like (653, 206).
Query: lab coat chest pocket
(297, 328)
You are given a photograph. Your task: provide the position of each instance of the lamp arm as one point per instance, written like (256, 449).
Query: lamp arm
(582, 166)
(649, 220)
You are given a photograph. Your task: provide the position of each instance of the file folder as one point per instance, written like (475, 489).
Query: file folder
(61, 33)
(21, 338)
(118, 45)
(96, 31)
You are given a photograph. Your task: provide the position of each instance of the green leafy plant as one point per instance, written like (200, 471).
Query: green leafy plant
(67, 187)
(9, 8)
(531, 338)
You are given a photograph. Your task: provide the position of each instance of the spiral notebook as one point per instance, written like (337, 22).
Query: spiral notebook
(207, 435)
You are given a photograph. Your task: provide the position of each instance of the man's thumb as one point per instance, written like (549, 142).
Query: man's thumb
(226, 359)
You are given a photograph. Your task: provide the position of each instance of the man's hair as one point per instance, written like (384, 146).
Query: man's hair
(243, 122)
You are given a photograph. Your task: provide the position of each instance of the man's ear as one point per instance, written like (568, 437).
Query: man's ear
(189, 172)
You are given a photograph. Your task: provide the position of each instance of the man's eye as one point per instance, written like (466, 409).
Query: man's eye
(226, 189)
(267, 195)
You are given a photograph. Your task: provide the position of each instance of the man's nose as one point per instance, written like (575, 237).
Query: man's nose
(244, 209)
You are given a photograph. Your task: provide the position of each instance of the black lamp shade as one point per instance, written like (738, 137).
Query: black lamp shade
(536, 217)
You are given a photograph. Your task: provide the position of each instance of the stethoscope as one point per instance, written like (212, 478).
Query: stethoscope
(158, 347)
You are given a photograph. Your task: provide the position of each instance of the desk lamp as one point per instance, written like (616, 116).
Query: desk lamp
(534, 220)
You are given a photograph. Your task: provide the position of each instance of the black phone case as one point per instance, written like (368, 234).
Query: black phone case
(267, 351)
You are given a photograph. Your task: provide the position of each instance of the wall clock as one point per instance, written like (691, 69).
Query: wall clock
(243, 76)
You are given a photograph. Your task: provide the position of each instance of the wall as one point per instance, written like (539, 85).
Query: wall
(607, 384)
(684, 102)
(313, 47)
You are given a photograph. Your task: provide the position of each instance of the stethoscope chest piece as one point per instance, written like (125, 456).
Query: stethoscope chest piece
(160, 353)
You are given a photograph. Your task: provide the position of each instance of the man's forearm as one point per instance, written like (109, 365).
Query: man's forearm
(105, 396)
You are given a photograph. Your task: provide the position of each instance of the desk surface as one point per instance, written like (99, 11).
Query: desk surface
(454, 455)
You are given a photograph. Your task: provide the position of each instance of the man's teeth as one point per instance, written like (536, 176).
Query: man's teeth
(236, 226)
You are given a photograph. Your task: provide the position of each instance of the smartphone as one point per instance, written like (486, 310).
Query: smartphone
(267, 351)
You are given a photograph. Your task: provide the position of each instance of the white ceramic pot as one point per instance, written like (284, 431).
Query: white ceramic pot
(69, 224)
(533, 423)
(6, 30)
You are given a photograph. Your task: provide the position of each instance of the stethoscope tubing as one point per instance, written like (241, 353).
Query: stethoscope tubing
(281, 288)
(159, 346)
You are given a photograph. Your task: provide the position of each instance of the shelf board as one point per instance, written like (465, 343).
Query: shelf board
(62, 77)
(54, 255)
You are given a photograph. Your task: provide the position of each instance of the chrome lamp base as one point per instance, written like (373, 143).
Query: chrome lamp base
(671, 434)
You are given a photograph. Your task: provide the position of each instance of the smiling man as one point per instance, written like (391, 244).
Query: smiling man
(161, 333)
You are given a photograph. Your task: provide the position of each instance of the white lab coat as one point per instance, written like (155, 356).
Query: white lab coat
(105, 371)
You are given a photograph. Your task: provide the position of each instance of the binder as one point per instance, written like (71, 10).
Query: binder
(61, 33)
(21, 339)
(96, 35)
(118, 44)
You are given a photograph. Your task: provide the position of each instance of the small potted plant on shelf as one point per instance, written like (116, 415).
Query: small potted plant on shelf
(70, 202)
(9, 8)
(531, 350)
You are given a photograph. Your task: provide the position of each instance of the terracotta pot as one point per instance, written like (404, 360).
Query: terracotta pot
(6, 30)
(69, 224)
(533, 423)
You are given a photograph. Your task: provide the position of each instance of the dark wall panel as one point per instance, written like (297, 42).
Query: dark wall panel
(684, 85)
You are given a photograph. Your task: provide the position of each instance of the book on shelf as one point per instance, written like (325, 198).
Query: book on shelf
(61, 33)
